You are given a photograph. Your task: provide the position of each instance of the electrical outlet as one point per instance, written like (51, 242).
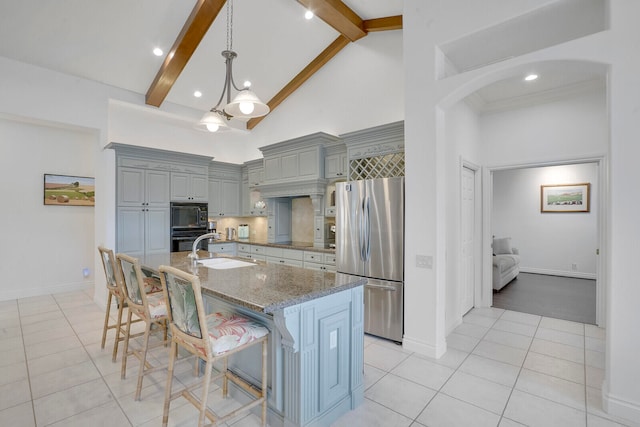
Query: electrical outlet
(574, 267)
(424, 261)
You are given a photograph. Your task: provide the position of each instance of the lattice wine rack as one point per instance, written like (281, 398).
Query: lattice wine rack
(385, 166)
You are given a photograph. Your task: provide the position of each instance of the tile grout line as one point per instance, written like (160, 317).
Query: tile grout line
(26, 364)
(519, 371)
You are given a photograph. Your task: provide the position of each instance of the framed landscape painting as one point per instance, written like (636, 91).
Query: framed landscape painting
(564, 198)
(66, 190)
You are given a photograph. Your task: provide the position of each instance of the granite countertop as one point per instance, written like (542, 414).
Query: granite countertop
(261, 287)
(307, 246)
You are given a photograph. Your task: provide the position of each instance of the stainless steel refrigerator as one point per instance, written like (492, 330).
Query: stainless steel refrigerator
(370, 243)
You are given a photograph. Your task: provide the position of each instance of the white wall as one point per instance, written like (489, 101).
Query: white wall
(549, 243)
(463, 145)
(567, 128)
(44, 249)
(427, 24)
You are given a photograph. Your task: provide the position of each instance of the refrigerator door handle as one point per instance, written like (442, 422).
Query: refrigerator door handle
(361, 236)
(367, 219)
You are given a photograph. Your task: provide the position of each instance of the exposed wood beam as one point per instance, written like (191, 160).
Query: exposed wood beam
(383, 24)
(194, 29)
(319, 61)
(338, 15)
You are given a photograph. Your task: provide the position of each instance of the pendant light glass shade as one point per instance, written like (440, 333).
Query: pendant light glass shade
(246, 105)
(212, 121)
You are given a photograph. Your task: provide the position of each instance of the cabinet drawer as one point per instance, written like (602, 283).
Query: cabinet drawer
(330, 211)
(313, 257)
(273, 252)
(329, 259)
(244, 248)
(314, 266)
(223, 248)
(293, 254)
(258, 250)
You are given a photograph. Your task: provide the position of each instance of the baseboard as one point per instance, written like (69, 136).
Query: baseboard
(36, 292)
(424, 348)
(620, 408)
(561, 273)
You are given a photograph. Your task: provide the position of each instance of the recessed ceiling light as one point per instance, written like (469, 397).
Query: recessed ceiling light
(308, 14)
(197, 94)
(531, 77)
(157, 51)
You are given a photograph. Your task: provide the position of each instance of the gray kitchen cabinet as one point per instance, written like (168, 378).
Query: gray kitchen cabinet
(224, 197)
(140, 187)
(227, 248)
(188, 187)
(143, 214)
(335, 165)
(293, 165)
(144, 193)
(250, 197)
(143, 230)
(255, 176)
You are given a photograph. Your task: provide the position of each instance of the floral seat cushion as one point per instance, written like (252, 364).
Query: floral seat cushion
(157, 305)
(228, 331)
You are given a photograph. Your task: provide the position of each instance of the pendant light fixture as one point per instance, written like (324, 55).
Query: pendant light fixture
(246, 104)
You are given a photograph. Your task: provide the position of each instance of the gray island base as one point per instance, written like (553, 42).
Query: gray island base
(316, 351)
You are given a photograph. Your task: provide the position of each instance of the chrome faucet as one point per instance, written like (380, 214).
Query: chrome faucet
(194, 249)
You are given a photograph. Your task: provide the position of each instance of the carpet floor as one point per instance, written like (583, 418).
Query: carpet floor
(564, 298)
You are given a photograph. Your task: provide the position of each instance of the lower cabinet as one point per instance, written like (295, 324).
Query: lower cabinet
(229, 248)
(313, 260)
(143, 230)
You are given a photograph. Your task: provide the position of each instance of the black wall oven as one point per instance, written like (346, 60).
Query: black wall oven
(188, 221)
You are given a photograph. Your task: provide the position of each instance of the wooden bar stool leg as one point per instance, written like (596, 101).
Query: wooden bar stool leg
(225, 381)
(118, 326)
(143, 359)
(205, 392)
(123, 371)
(173, 351)
(106, 320)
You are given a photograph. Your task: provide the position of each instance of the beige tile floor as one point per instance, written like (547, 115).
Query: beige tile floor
(502, 368)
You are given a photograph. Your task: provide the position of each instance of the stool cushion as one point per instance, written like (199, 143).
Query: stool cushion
(228, 331)
(157, 305)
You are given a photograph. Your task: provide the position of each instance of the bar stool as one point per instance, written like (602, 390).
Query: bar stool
(114, 286)
(151, 308)
(211, 338)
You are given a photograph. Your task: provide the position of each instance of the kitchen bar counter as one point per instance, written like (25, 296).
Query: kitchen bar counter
(316, 346)
(261, 287)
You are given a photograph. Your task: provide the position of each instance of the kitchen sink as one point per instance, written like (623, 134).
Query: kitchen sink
(224, 263)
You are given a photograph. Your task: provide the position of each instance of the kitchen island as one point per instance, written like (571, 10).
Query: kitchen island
(317, 332)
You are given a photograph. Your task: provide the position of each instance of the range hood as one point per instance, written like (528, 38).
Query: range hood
(312, 188)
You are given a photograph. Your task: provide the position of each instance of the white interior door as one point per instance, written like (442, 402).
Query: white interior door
(467, 283)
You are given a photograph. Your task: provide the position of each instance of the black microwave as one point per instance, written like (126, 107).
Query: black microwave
(186, 216)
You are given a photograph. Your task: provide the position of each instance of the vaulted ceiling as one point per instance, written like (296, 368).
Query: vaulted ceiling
(278, 49)
(112, 42)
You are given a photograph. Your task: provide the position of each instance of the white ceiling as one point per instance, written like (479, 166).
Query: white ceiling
(111, 42)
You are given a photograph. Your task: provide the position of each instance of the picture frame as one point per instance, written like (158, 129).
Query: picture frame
(69, 190)
(565, 198)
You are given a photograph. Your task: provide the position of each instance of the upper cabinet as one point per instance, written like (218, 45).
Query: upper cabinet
(224, 189)
(376, 152)
(336, 165)
(296, 160)
(190, 185)
(252, 203)
(138, 187)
